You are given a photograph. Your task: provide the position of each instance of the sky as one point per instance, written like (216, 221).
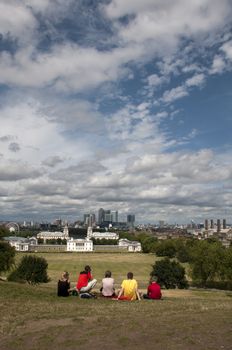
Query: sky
(116, 104)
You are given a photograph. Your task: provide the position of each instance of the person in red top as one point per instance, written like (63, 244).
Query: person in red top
(85, 280)
(153, 290)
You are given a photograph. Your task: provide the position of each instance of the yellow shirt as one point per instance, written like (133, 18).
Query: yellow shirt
(129, 288)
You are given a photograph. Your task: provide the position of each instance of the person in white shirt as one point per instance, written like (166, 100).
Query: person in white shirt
(107, 288)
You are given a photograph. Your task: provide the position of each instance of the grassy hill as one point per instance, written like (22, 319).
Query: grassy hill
(33, 317)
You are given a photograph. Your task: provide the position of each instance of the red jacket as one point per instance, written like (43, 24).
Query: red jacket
(83, 280)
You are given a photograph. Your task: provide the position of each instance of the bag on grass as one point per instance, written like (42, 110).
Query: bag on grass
(87, 296)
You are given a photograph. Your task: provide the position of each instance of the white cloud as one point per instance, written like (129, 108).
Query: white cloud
(17, 170)
(196, 80)
(218, 65)
(52, 161)
(165, 21)
(67, 67)
(227, 48)
(37, 135)
(16, 20)
(154, 80)
(174, 94)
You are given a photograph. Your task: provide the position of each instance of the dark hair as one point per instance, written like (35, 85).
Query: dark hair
(108, 273)
(153, 278)
(87, 268)
(130, 275)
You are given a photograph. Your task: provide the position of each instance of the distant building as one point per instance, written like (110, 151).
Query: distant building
(89, 219)
(79, 245)
(101, 214)
(131, 220)
(21, 244)
(101, 235)
(114, 216)
(224, 224)
(132, 246)
(106, 217)
(211, 224)
(47, 235)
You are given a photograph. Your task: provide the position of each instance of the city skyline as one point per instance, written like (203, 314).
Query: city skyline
(116, 104)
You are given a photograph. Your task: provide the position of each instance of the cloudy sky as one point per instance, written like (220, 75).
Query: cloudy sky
(119, 104)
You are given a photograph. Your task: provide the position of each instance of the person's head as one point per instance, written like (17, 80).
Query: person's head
(130, 275)
(108, 274)
(65, 275)
(153, 279)
(87, 268)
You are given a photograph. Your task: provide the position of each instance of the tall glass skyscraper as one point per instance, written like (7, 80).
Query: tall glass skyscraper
(130, 219)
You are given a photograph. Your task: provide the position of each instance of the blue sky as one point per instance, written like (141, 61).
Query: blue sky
(124, 105)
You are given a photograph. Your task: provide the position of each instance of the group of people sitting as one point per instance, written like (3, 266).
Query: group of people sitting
(128, 290)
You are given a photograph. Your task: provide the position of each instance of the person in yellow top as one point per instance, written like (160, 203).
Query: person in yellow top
(129, 289)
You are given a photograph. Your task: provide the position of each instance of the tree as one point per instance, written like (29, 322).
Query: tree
(40, 241)
(32, 269)
(59, 241)
(207, 260)
(227, 265)
(4, 231)
(182, 253)
(166, 248)
(170, 274)
(149, 244)
(7, 254)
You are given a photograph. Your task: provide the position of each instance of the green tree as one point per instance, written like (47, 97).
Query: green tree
(59, 241)
(206, 262)
(7, 255)
(166, 248)
(149, 244)
(182, 251)
(4, 231)
(32, 269)
(226, 267)
(128, 235)
(170, 274)
(40, 241)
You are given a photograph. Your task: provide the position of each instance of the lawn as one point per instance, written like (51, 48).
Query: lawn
(33, 317)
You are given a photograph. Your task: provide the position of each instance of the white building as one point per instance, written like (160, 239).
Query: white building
(79, 245)
(101, 235)
(21, 244)
(132, 246)
(46, 235)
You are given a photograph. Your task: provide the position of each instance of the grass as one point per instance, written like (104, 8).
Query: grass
(33, 317)
(118, 263)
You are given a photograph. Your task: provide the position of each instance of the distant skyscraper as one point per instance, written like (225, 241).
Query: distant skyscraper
(130, 219)
(218, 225)
(206, 224)
(107, 216)
(211, 223)
(224, 224)
(114, 216)
(101, 215)
(89, 219)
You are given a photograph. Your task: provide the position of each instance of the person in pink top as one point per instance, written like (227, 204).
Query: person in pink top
(107, 288)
